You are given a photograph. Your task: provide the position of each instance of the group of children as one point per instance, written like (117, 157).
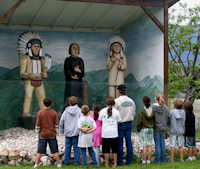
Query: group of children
(84, 130)
(87, 131)
(154, 121)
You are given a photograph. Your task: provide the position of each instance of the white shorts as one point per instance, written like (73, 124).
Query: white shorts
(176, 140)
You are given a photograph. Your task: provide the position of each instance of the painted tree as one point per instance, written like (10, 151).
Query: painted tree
(184, 52)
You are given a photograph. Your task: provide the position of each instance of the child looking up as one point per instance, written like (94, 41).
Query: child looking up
(86, 125)
(177, 129)
(190, 140)
(145, 125)
(110, 118)
(68, 126)
(97, 140)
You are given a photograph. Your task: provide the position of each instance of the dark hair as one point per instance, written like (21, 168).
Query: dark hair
(188, 107)
(146, 101)
(47, 101)
(73, 101)
(85, 109)
(178, 104)
(70, 47)
(110, 101)
(96, 108)
(122, 92)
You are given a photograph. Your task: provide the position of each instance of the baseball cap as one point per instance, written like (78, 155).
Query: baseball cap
(121, 87)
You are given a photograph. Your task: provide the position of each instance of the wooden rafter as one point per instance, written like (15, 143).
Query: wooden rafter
(82, 17)
(172, 2)
(60, 14)
(11, 10)
(104, 16)
(38, 13)
(124, 19)
(155, 3)
(154, 19)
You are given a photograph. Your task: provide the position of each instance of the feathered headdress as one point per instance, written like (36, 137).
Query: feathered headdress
(26, 40)
(117, 39)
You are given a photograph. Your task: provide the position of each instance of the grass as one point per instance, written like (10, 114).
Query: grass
(135, 165)
(198, 134)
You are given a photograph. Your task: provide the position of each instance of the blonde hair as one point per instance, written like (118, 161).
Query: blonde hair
(160, 99)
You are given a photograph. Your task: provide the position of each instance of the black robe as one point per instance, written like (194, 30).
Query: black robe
(73, 87)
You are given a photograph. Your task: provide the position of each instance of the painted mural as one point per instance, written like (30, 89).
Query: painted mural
(144, 51)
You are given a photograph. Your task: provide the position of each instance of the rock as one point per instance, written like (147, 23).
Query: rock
(4, 159)
(23, 154)
(14, 156)
(46, 161)
(4, 152)
(25, 161)
(17, 164)
(20, 161)
(11, 163)
(33, 158)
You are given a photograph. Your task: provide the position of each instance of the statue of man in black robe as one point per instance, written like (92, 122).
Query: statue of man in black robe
(74, 72)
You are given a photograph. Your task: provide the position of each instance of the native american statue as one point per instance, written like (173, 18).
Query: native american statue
(116, 64)
(33, 68)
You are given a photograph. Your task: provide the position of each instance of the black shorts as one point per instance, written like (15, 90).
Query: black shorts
(190, 142)
(110, 143)
(42, 145)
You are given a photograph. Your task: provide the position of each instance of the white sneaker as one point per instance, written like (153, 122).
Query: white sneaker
(35, 166)
(148, 161)
(189, 159)
(193, 158)
(143, 162)
(59, 165)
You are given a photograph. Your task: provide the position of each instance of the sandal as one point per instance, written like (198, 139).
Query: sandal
(114, 165)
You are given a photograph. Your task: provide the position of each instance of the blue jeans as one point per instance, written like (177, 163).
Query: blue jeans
(160, 148)
(69, 142)
(124, 130)
(92, 155)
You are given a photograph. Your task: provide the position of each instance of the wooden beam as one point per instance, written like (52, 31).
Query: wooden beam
(153, 3)
(11, 10)
(60, 14)
(104, 16)
(153, 18)
(172, 2)
(166, 51)
(124, 19)
(58, 28)
(82, 16)
(38, 13)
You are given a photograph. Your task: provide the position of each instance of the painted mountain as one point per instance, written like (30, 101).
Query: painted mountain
(12, 92)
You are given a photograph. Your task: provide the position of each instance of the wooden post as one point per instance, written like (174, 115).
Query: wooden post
(166, 51)
(85, 92)
(11, 10)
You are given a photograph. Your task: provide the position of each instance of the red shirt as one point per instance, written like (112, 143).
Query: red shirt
(47, 119)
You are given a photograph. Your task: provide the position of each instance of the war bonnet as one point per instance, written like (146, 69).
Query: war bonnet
(26, 40)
